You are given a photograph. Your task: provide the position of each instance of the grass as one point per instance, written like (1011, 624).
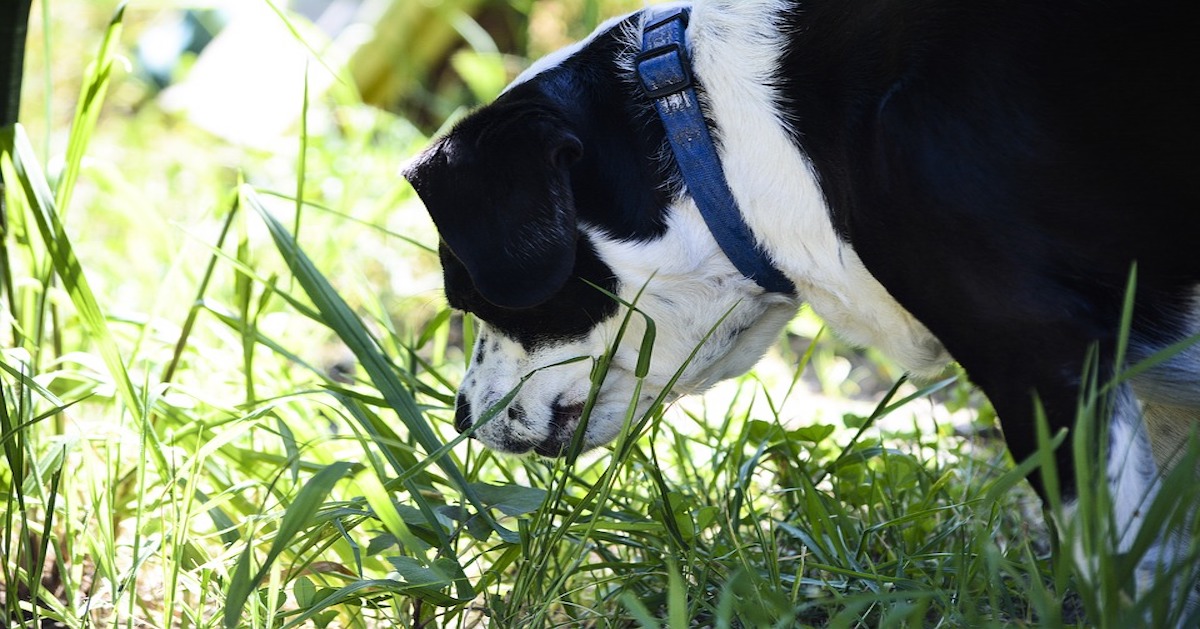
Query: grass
(216, 414)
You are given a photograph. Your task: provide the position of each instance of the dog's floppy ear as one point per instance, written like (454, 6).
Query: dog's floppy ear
(498, 189)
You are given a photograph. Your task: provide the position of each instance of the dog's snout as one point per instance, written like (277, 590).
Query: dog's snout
(566, 415)
(462, 413)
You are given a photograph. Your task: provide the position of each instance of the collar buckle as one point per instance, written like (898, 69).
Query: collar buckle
(663, 67)
(664, 71)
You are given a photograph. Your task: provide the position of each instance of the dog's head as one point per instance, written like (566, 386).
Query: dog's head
(556, 205)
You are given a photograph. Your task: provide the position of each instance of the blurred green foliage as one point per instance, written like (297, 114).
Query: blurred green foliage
(427, 59)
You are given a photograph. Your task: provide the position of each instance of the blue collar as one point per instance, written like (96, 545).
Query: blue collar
(665, 74)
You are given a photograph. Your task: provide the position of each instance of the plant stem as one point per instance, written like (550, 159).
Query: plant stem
(14, 20)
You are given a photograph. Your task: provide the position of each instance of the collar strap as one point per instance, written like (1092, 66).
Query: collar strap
(664, 71)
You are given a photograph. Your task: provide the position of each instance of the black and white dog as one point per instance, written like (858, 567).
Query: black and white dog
(941, 179)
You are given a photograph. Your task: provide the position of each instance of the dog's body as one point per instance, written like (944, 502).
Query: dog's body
(938, 178)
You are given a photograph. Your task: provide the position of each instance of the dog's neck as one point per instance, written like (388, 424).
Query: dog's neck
(736, 48)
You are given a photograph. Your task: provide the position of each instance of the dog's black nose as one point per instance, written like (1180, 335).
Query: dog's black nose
(462, 413)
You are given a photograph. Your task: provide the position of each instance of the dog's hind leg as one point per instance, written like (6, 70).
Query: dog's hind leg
(1143, 441)
(1169, 394)
(1172, 430)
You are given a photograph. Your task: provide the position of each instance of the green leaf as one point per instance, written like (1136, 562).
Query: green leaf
(813, 434)
(385, 510)
(380, 543)
(511, 500)
(304, 591)
(429, 583)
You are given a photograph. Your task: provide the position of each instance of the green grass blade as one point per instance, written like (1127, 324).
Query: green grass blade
(42, 205)
(298, 515)
(416, 244)
(677, 603)
(87, 110)
(27, 381)
(639, 611)
(302, 158)
(350, 329)
(303, 42)
(194, 310)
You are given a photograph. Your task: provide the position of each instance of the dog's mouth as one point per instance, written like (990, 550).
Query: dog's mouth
(514, 429)
(564, 420)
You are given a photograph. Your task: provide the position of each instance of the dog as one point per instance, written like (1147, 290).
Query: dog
(942, 180)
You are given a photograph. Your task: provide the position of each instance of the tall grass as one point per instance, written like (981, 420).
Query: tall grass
(216, 420)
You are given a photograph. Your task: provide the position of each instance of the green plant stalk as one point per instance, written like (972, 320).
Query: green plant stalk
(6, 276)
(8, 292)
(405, 470)
(41, 205)
(185, 331)
(176, 542)
(29, 474)
(543, 519)
(87, 112)
(297, 516)
(47, 532)
(302, 158)
(599, 493)
(243, 290)
(147, 441)
(14, 452)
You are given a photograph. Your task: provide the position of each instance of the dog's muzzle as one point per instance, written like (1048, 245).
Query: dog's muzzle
(564, 420)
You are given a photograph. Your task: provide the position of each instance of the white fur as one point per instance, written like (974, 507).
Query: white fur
(1133, 476)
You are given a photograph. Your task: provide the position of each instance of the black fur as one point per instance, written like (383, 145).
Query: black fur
(509, 185)
(999, 166)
